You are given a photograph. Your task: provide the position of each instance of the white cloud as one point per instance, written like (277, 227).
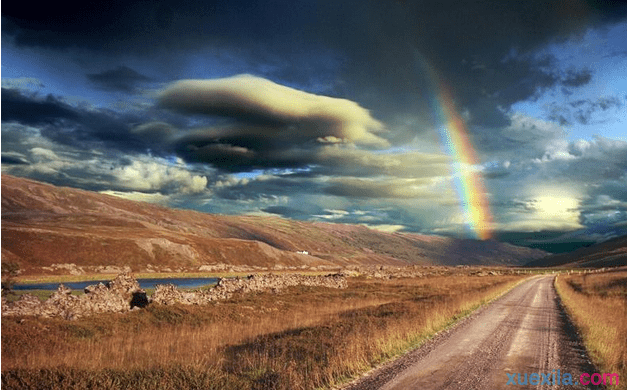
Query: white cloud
(386, 228)
(157, 198)
(155, 176)
(45, 154)
(22, 83)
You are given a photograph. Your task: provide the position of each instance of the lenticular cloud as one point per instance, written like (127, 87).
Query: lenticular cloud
(256, 100)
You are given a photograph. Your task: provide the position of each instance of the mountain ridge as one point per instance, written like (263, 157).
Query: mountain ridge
(610, 253)
(43, 225)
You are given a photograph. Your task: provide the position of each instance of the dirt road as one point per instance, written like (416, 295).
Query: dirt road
(523, 332)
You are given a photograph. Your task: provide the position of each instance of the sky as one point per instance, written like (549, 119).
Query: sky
(473, 119)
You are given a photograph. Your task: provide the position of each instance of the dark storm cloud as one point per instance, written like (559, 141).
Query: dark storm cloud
(289, 212)
(577, 79)
(582, 111)
(95, 25)
(122, 79)
(110, 26)
(143, 27)
(13, 160)
(480, 48)
(32, 110)
(525, 138)
(495, 173)
(69, 125)
(264, 187)
(599, 159)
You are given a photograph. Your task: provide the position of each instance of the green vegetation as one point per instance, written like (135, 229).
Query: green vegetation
(41, 294)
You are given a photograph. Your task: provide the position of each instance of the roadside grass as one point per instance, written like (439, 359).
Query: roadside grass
(597, 302)
(301, 338)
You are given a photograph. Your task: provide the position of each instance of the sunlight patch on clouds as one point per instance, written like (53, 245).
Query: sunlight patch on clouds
(555, 207)
(550, 210)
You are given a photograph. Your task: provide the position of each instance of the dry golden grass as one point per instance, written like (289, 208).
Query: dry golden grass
(302, 338)
(597, 303)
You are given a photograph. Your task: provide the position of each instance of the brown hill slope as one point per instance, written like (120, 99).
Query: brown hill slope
(611, 253)
(44, 225)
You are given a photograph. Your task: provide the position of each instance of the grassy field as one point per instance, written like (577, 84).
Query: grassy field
(597, 303)
(300, 338)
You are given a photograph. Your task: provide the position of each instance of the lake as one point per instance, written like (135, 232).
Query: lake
(143, 283)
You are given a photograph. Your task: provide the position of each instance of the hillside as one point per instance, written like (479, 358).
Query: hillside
(43, 225)
(611, 253)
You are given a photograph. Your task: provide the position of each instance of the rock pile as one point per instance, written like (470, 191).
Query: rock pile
(390, 272)
(124, 294)
(418, 271)
(169, 294)
(119, 295)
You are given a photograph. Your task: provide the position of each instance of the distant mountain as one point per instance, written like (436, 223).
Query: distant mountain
(610, 253)
(44, 225)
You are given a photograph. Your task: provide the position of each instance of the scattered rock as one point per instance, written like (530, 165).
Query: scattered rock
(112, 269)
(71, 268)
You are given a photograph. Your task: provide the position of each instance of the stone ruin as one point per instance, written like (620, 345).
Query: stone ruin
(168, 294)
(119, 295)
(123, 294)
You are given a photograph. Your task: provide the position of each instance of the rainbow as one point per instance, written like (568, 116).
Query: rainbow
(454, 138)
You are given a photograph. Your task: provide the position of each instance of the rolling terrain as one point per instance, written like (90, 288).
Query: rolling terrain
(611, 253)
(44, 225)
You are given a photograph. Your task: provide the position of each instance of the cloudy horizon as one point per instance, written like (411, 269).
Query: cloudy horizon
(328, 111)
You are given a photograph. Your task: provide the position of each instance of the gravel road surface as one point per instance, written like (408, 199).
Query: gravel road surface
(523, 332)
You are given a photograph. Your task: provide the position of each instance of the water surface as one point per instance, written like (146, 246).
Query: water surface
(143, 283)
